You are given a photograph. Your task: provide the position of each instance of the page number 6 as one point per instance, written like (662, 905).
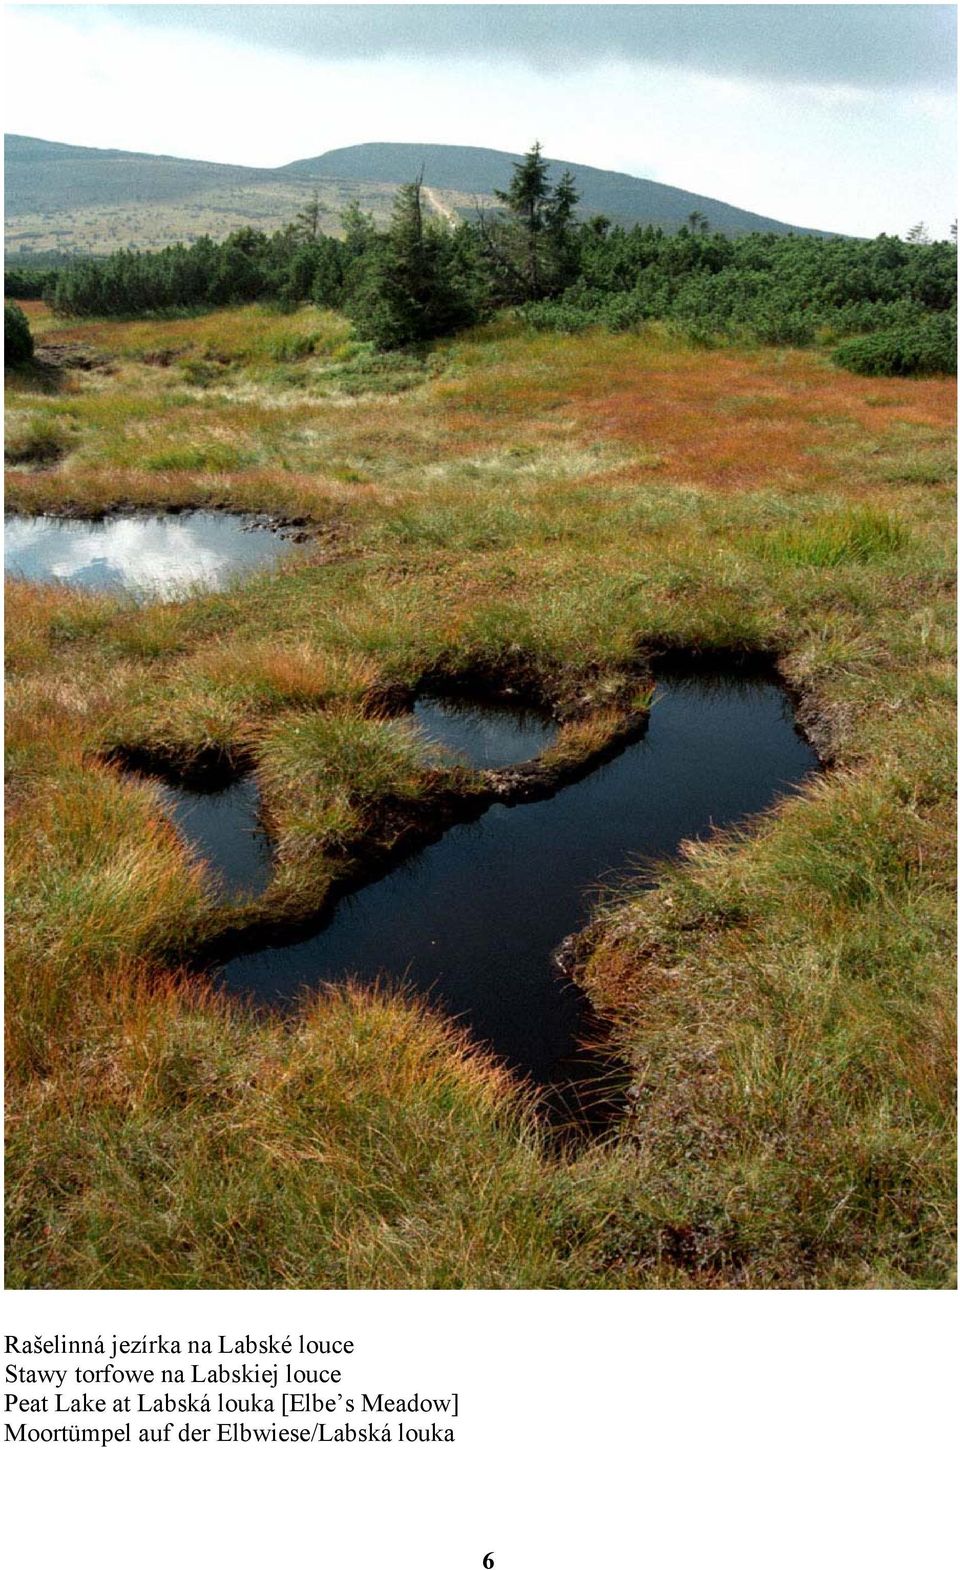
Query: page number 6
(487, 1562)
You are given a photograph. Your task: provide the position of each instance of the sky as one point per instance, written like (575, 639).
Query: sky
(834, 117)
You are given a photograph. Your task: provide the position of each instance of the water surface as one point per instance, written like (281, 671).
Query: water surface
(489, 734)
(162, 555)
(473, 920)
(221, 825)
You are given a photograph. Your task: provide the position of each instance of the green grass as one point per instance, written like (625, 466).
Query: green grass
(856, 534)
(205, 458)
(783, 994)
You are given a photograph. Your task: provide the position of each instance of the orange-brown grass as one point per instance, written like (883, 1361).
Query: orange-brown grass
(833, 1056)
(750, 419)
(294, 497)
(641, 410)
(37, 312)
(247, 332)
(582, 739)
(220, 696)
(96, 874)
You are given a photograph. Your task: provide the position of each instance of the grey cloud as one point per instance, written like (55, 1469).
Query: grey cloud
(878, 47)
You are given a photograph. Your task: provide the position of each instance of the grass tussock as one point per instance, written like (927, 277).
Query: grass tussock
(210, 457)
(342, 754)
(783, 995)
(221, 695)
(96, 874)
(39, 439)
(325, 778)
(358, 1150)
(815, 1130)
(857, 535)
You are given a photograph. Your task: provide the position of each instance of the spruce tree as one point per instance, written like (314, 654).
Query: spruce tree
(306, 225)
(532, 253)
(528, 199)
(416, 285)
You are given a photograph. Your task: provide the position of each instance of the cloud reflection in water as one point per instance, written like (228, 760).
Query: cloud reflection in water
(141, 552)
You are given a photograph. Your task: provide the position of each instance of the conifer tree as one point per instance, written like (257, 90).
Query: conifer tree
(306, 225)
(532, 252)
(415, 285)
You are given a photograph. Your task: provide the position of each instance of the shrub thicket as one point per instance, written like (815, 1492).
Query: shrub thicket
(925, 348)
(760, 287)
(28, 283)
(17, 337)
(421, 278)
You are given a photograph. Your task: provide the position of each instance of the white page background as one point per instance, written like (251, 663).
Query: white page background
(597, 1429)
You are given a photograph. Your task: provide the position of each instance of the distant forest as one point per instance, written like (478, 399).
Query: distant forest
(888, 305)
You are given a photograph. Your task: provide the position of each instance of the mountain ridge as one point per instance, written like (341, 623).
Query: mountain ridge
(448, 166)
(64, 195)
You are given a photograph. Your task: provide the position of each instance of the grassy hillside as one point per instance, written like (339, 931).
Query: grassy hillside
(90, 200)
(575, 504)
(217, 211)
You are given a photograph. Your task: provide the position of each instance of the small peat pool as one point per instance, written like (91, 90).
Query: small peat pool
(157, 554)
(473, 920)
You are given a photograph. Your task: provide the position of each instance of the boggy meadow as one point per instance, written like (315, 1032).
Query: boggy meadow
(572, 504)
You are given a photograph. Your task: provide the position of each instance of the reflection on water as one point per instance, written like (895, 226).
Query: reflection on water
(474, 919)
(144, 553)
(488, 734)
(222, 826)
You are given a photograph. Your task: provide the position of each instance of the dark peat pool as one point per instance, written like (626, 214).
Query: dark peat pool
(473, 920)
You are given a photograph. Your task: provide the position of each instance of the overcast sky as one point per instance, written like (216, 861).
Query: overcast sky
(838, 117)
